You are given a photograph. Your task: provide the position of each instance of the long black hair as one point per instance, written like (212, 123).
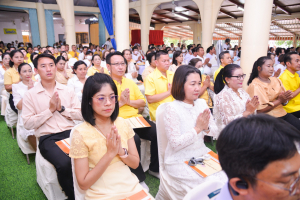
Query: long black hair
(220, 81)
(259, 63)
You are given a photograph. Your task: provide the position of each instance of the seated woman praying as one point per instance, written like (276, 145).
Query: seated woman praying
(187, 120)
(102, 146)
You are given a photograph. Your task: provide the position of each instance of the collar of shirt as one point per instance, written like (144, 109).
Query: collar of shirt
(160, 75)
(290, 74)
(39, 87)
(221, 67)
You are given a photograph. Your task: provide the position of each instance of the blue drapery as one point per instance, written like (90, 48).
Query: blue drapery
(50, 27)
(106, 10)
(34, 25)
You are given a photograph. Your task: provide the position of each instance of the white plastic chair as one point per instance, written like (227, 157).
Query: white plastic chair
(206, 191)
(11, 118)
(47, 178)
(79, 193)
(25, 147)
(4, 98)
(164, 192)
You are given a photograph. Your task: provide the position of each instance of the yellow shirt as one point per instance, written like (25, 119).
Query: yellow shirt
(92, 70)
(99, 53)
(127, 111)
(217, 72)
(205, 95)
(156, 83)
(291, 82)
(71, 55)
(28, 56)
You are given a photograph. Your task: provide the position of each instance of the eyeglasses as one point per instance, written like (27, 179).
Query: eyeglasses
(240, 77)
(294, 187)
(118, 64)
(103, 100)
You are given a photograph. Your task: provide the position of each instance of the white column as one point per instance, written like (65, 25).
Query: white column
(145, 25)
(122, 24)
(207, 33)
(197, 31)
(42, 23)
(255, 43)
(66, 8)
(240, 41)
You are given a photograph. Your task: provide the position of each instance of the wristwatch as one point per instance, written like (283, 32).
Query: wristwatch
(284, 104)
(62, 109)
(126, 153)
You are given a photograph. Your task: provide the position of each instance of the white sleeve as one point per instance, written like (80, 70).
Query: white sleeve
(16, 95)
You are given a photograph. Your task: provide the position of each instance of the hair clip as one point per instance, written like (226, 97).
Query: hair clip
(195, 161)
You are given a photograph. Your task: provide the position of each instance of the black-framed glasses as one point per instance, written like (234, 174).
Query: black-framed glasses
(112, 99)
(240, 77)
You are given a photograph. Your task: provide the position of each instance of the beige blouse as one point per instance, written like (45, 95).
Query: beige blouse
(148, 70)
(61, 78)
(267, 93)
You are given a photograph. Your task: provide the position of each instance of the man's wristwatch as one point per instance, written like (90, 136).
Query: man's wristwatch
(62, 109)
(126, 153)
(284, 104)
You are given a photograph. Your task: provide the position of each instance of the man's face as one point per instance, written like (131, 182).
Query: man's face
(67, 47)
(84, 51)
(35, 49)
(46, 69)
(29, 50)
(117, 66)
(63, 48)
(163, 63)
(74, 48)
(277, 175)
(201, 52)
(226, 60)
(294, 65)
(51, 49)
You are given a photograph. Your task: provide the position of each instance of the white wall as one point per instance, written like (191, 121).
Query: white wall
(12, 20)
(60, 29)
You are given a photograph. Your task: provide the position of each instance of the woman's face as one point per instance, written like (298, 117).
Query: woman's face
(65, 56)
(24, 52)
(97, 61)
(234, 82)
(56, 51)
(103, 102)
(5, 60)
(26, 72)
(98, 48)
(81, 71)
(180, 58)
(17, 59)
(267, 69)
(128, 55)
(192, 87)
(61, 65)
(199, 64)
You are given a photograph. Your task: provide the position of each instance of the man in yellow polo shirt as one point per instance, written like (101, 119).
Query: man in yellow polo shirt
(158, 84)
(73, 53)
(130, 100)
(291, 81)
(225, 59)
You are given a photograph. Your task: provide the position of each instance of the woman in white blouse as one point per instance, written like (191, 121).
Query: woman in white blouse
(18, 91)
(231, 101)
(187, 121)
(4, 93)
(77, 81)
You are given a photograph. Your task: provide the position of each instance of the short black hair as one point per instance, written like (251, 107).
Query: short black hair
(77, 63)
(11, 54)
(160, 53)
(85, 47)
(278, 51)
(42, 55)
(21, 65)
(281, 58)
(59, 58)
(247, 145)
(149, 57)
(93, 85)
(194, 61)
(195, 49)
(179, 80)
(89, 52)
(288, 58)
(221, 55)
(116, 53)
(135, 47)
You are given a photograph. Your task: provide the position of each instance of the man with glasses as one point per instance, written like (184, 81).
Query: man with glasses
(130, 100)
(260, 155)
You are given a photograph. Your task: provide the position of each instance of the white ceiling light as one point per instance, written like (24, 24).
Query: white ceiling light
(176, 15)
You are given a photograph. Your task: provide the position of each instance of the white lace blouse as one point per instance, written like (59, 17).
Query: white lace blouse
(184, 143)
(228, 106)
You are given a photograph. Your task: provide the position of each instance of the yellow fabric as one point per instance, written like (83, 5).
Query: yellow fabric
(291, 82)
(99, 53)
(217, 72)
(92, 70)
(156, 83)
(127, 111)
(61, 78)
(56, 55)
(28, 56)
(205, 95)
(71, 54)
(267, 93)
(117, 181)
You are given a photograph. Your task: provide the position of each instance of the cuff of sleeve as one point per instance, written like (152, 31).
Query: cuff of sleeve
(48, 113)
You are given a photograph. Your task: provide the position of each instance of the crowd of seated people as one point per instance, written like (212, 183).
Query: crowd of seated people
(53, 88)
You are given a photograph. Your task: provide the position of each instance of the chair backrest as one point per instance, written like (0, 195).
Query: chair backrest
(162, 139)
(79, 193)
(205, 191)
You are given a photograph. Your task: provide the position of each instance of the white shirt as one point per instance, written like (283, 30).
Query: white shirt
(103, 64)
(225, 47)
(177, 49)
(81, 56)
(136, 57)
(279, 66)
(108, 45)
(76, 85)
(276, 60)
(188, 58)
(2, 71)
(87, 62)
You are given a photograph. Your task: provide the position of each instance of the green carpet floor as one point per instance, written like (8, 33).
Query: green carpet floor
(18, 179)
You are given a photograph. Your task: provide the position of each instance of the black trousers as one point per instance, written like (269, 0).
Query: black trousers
(11, 103)
(296, 114)
(62, 163)
(147, 134)
(292, 120)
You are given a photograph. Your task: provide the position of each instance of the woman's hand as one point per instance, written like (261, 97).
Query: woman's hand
(285, 96)
(113, 141)
(134, 75)
(202, 121)
(206, 82)
(102, 70)
(30, 85)
(251, 105)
